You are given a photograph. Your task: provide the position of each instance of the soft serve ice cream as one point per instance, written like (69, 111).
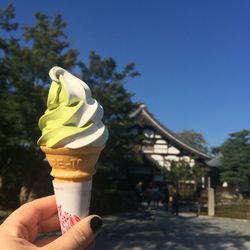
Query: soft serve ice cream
(73, 119)
(73, 137)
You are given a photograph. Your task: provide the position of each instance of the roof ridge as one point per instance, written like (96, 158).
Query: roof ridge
(169, 133)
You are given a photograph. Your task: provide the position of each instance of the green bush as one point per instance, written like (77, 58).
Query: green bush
(188, 195)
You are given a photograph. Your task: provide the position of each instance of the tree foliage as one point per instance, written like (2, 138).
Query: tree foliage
(24, 65)
(24, 73)
(179, 171)
(107, 85)
(235, 151)
(183, 171)
(194, 139)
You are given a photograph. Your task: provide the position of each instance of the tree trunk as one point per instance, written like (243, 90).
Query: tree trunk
(1, 182)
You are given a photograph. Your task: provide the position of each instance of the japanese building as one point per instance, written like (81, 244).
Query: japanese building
(160, 147)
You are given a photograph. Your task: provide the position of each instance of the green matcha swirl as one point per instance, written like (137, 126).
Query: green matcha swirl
(73, 119)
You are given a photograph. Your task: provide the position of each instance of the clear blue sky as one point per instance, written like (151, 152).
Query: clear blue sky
(193, 55)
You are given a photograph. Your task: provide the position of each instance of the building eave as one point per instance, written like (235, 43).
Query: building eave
(165, 132)
(216, 161)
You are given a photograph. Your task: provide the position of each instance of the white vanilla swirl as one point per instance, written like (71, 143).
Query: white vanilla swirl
(73, 119)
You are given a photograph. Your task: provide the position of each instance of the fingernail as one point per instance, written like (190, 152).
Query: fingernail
(95, 224)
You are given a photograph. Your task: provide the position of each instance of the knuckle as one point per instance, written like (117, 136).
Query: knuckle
(78, 236)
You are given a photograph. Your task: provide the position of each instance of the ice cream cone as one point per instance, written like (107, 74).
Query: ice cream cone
(72, 170)
(73, 120)
(72, 165)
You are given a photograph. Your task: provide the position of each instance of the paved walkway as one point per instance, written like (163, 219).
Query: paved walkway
(155, 229)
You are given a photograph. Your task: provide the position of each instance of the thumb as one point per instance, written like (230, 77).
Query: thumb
(79, 236)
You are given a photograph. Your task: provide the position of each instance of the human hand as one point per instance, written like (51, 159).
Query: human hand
(20, 230)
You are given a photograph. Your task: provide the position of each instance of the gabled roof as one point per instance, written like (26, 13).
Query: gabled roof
(216, 161)
(167, 133)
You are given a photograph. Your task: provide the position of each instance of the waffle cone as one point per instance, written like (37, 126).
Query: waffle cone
(72, 165)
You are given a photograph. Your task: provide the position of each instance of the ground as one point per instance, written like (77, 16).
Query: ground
(157, 229)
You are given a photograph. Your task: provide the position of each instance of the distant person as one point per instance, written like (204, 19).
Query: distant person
(166, 197)
(139, 193)
(156, 196)
(148, 196)
(175, 202)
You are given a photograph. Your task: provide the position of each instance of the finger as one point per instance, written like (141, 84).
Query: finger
(49, 225)
(91, 245)
(79, 236)
(24, 221)
(46, 241)
(36, 210)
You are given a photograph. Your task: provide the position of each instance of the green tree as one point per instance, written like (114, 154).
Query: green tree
(236, 158)
(179, 171)
(194, 139)
(107, 84)
(24, 66)
(183, 171)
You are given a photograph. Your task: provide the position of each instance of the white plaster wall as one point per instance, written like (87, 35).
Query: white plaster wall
(185, 158)
(160, 149)
(173, 150)
(192, 162)
(159, 159)
(158, 136)
(167, 165)
(172, 158)
(161, 142)
(148, 149)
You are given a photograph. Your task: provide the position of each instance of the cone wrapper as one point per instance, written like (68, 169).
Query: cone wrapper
(73, 200)
(72, 170)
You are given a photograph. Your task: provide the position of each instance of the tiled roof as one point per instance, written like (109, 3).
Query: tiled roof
(216, 161)
(167, 133)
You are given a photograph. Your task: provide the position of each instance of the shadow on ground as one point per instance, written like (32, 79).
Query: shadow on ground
(155, 229)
